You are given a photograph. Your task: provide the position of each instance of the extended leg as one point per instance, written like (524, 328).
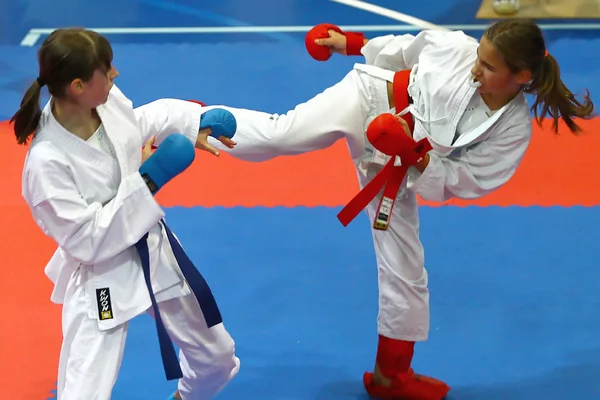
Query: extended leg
(338, 112)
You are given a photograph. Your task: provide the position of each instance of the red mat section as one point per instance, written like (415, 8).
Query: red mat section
(30, 322)
(30, 336)
(327, 178)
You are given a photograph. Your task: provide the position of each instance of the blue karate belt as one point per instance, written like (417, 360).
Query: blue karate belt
(199, 287)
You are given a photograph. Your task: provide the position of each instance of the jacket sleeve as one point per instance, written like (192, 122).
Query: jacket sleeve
(475, 171)
(88, 232)
(401, 52)
(164, 117)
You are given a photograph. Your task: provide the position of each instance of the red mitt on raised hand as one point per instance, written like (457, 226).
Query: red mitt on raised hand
(354, 42)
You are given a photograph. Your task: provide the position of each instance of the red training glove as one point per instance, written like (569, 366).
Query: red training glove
(354, 42)
(388, 135)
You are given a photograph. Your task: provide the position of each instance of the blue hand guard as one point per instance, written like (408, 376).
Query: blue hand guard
(220, 121)
(171, 158)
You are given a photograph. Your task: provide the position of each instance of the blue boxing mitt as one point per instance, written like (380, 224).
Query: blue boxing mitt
(171, 158)
(220, 121)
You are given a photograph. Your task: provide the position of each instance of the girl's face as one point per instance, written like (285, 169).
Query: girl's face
(95, 92)
(492, 73)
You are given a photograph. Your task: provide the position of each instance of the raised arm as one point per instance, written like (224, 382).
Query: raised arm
(165, 117)
(391, 52)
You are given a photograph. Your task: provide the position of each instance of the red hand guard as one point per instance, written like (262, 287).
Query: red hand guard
(387, 135)
(354, 42)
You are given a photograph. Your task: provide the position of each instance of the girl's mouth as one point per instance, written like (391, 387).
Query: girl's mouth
(473, 82)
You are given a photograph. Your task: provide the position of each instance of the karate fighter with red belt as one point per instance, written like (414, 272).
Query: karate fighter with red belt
(445, 116)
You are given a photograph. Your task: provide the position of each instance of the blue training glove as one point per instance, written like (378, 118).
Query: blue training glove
(171, 158)
(220, 121)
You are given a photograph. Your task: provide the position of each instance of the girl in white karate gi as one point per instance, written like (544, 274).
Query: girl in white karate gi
(468, 100)
(81, 181)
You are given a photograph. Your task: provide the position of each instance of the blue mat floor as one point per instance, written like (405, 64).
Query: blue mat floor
(513, 290)
(513, 293)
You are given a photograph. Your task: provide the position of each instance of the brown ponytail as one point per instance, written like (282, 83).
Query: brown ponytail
(26, 120)
(553, 98)
(65, 55)
(521, 44)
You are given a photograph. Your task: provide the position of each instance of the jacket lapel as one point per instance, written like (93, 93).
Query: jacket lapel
(471, 136)
(74, 145)
(121, 128)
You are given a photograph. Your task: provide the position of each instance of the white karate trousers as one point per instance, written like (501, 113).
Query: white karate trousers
(345, 111)
(90, 359)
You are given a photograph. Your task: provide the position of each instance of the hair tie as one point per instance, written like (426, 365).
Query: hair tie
(546, 54)
(40, 81)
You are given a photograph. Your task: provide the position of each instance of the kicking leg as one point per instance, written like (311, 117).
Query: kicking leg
(338, 112)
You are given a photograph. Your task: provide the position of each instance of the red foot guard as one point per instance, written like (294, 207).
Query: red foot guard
(394, 358)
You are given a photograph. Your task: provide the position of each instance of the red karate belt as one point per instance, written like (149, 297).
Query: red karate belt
(390, 177)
